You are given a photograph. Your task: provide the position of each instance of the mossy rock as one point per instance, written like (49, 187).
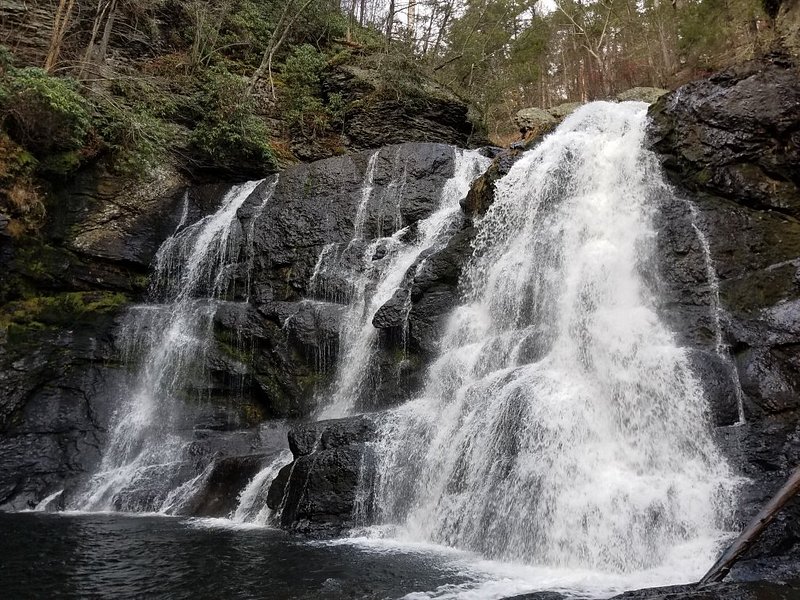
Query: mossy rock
(61, 309)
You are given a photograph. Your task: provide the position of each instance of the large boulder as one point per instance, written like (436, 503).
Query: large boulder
(535, 122)
(317, 492)
(641, 94)
(734, 135)
(300, 305)
(752, 590)
(57, 387)
(389, 104)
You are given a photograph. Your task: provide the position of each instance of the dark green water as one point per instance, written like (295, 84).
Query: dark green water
(119, 557)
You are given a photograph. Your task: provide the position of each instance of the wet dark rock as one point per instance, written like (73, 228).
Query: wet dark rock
(539, 596)
(757, 590)
(434, 291)
(56, 401)
(481, 195)
(219, 495)
(719, 383)
(377, 115)
(730, 145)
(315, 205)
(736, 134)
(325, 435)
(394, 312)
(316, 493)
(312, 210)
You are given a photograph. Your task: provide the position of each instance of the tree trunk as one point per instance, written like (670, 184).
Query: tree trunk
(88, 57)
(112, 15)
(60, 25)
(751, 534)
(274, 44)
(412, 20)
(447, 11)
(389, 23)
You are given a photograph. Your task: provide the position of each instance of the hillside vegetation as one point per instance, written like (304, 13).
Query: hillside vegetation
(236, 88)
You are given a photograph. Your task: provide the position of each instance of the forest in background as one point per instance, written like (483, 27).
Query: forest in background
(238, 86)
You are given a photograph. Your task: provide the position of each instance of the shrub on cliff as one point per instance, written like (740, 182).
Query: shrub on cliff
(229, 136)
(45, 115)
(305, 108)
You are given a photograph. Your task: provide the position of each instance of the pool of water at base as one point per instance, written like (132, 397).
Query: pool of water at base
(121, 556)
(60, 555)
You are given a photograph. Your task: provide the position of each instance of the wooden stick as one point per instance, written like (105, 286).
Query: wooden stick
(751, 534)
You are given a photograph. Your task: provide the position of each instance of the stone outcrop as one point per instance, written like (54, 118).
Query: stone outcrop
(390, 104)
(731, 145)
(535, 120)
(296, 336)
(755, 590)
(534, 123)
(641, 94)
(316, 493)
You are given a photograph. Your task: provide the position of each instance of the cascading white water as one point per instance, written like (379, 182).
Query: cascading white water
(252, 507)
(378, 280)
(144, 461)
(561, 425)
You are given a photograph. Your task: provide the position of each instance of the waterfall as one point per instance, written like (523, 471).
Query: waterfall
(376, 281)
(252, 507)
(720, 347)
(561, 425)
(146, 463)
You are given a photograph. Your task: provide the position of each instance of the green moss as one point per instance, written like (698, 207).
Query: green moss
(253, 414)
(311, 382)
(59, 310)
(229, 346)
(135, 138)
(703, 177)
(46, 115)
(229, 134)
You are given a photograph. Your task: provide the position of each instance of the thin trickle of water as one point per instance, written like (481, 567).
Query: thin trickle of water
(145, 457)
(377, 281)
(184, 212)
(179, 497)
(326, 257)
(251, 233)
(720, 347)
(366, 194)
(561, 424)
(252, 507)
(45, 503)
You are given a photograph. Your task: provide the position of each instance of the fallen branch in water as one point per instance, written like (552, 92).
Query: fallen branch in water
(751, 534)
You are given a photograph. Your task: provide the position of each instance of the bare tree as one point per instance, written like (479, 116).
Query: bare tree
(60, 24)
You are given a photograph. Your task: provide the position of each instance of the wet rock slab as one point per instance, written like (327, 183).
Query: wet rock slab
(755, 590)
(752, 590)
(731, 147)
(316, 493)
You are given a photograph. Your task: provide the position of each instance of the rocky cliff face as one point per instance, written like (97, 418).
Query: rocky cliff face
(276, 339)
(731, 145)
